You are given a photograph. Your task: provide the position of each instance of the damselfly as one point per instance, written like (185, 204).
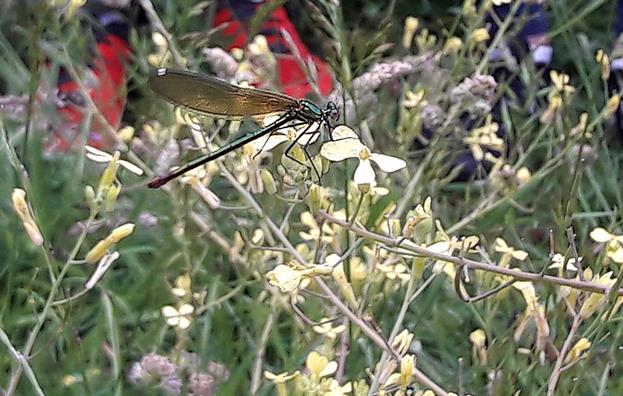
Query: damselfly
(215, 97)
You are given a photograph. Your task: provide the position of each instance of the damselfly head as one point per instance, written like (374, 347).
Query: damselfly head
(332, 111)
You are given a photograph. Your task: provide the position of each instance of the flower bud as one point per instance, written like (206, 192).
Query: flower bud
(100, 249)
(89, 195)
(411, 25)
(315, 197)
(269, 181)
(110, 173)
(28, 222)
(345, 288)
(111, 197)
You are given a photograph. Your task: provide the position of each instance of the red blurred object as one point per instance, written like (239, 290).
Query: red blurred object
(291, 76)
(108, 93)
(104, 83)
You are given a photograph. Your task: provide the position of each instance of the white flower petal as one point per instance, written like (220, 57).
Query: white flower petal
(338, 150)
(183, 323)
(617, 256)
(308, 138)
(311, 134)
(601, 235)
(205, 193)
(96, 152)
(97, 158)
(343, 132)
(387, 163)
(332, 259)
(364, 174)
(329, 369)
(101, 269)
(269, 142)
(168, 311)
(308, 128)
(131, 167)
(186, 309)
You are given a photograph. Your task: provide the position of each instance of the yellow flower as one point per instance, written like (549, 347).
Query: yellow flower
(558, 262)
(180, 318)
(614, 243)
(407, 369)
(280, 378)
(554, 103)
(414, 99)
(479, 35)
(523, 175)
(448, 245)
(418, 216)
(402, 342)
(25, 214)
(100, 249)
(69, 380)
(534, 312)
(259, 46)
(285, 278)
(290, 278)
(601, 235)
(469, 8)
(347, 145)
(126, 133)
(101, 156)
(334, 389)
(393, 272)
(326, 328)
(612, 106)
(486, 137)
(325, 235)
(596, 300)
(319, 366)
(508, 252)
(578, 350)
(581, 127)
(162, 53)
(561, 83)
(604, 62)
(452, 45)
